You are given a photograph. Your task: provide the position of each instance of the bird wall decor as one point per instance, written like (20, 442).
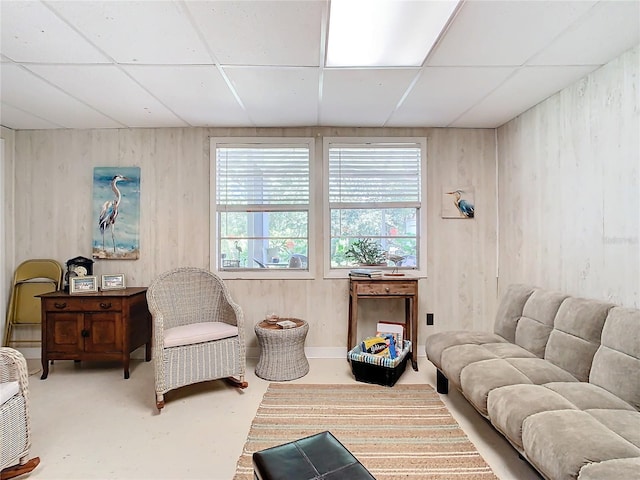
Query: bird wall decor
(465, 207)
(109, 211)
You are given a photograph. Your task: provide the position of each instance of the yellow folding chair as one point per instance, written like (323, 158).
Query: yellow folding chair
(31, 278)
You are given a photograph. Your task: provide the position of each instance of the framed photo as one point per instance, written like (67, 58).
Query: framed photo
(88, 284)
(112, 282)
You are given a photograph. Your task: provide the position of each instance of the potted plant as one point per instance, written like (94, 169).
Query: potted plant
(366, 252)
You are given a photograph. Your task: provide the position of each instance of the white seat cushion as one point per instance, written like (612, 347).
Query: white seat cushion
(198, 333)
(8, 390)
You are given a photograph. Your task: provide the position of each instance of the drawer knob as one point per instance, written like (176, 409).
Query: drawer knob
(105, 306)
(386, 289)
(60, 306)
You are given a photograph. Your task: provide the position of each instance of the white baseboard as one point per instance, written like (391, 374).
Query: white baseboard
(310, 352)
(252, 352)
(318, 352)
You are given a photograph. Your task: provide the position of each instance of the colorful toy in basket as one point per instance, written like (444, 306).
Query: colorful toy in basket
(383, 346)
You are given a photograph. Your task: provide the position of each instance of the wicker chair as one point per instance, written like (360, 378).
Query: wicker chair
(198, 331)
(15, 432)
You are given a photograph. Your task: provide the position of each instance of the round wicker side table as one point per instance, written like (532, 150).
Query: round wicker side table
(282, 351)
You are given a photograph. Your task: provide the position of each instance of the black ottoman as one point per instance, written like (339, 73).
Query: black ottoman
(318, 457)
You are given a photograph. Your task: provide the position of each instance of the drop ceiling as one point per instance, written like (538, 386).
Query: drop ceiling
(122, 64)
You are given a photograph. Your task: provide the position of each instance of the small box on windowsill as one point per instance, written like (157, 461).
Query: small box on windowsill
(369, 368)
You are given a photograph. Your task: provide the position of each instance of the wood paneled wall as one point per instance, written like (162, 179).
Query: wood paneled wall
(53, 219)
(561, 195)
(569, 188)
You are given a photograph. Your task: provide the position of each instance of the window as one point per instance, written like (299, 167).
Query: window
(262, 191)
(375, 192)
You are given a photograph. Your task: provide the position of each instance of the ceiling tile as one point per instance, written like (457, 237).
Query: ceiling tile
(110, 91)
(255, 63)
(137, 31)
(592, 41)
(30, 32)
(39, 98)
(277, 97)
(365, 96)
(526, 88)
(504, 32)
(262, 32)
(16, 119)
(196, 93)
(442, 94)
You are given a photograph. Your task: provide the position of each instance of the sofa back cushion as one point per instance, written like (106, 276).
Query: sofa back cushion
(538, 314)
(616, 364)
(510, 311)
(576, 335)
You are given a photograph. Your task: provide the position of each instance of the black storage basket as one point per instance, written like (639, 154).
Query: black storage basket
(365, 368)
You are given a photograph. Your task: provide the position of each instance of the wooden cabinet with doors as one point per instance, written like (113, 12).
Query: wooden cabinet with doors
(101, 326)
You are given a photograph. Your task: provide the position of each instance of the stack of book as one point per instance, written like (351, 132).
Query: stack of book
(396, 330)
(365, 273)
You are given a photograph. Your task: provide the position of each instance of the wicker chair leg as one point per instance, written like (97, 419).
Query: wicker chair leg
(20, 469)
(237, 382)
(159, 401)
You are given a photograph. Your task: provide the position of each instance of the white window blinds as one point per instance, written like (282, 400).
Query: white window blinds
(262, 176)
(374, 173)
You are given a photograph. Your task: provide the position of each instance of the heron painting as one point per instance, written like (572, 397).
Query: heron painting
(116, 203)
(458, 202)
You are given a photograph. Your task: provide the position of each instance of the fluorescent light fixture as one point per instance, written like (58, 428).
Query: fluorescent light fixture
(385, 33)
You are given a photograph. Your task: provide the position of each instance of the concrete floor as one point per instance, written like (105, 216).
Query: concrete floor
(90, 423)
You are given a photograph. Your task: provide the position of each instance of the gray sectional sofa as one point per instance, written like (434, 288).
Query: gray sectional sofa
(559, 377)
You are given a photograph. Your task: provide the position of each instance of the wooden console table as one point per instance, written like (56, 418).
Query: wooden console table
(387, 288)
(101, 326)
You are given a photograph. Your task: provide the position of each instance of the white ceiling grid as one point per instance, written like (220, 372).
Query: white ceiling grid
(241, 63)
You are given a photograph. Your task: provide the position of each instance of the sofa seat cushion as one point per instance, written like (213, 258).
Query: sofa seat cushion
(509, 406)
(198, 333)
(619, 468)
(588, 396)
(478, 379)
(455, 358)
(560, 443)
(439, 342)
(625, 423)
(8, 390)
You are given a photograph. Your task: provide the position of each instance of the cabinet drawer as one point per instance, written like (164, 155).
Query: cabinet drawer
(108, 304)
(388, 288)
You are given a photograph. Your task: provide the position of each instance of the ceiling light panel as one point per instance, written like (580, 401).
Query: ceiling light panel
(384, 33)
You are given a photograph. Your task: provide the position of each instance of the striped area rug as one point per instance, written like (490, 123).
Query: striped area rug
(399, 432)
